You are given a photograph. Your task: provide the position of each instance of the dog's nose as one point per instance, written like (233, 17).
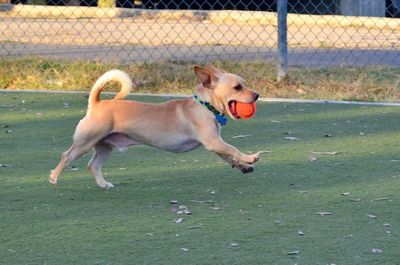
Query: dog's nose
(256, 96)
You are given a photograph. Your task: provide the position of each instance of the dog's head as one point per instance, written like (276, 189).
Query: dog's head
(223, 89)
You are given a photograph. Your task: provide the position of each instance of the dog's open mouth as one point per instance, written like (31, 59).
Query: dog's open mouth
(232, 109)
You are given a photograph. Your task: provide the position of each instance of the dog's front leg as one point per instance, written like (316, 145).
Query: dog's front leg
(214, 143)
(243, 167)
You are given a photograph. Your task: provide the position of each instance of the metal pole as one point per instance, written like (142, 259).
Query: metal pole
(282, 40)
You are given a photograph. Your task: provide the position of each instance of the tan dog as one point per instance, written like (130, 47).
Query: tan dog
(177, 125)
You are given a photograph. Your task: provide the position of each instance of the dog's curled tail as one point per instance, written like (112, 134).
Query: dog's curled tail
(112, 75)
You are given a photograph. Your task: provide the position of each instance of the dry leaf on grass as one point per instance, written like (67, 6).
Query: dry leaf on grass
(208, 201)
(381, 199)
(194, 227)
(325, 153)
(185, 211)
(294, 252)
(291, 138)
(241, 136)
(313, 158)
(376, 250)
(179, 220)
(300, 91)
(372, 216)
(182, 209)
(324, 213)
(345, 193)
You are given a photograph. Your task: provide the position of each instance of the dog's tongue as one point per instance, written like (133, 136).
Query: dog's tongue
(232, 107)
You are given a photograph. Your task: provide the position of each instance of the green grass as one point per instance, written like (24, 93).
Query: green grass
(78, 223)
(338, 83)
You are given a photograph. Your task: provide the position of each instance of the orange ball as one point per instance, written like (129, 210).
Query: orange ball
(245, 110)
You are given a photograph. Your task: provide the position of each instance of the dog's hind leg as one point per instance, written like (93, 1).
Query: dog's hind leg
(101, 153)
(73, 153)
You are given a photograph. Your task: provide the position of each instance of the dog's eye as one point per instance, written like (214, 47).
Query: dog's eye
(238, 87)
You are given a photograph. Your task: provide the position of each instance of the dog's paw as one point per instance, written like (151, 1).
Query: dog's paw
(52, 179)
(247, 169)
(244, 168)
(106, 185)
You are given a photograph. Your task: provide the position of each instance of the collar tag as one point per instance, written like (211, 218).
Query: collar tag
(221, 119)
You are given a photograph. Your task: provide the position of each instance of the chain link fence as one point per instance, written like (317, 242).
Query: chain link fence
(319, 32)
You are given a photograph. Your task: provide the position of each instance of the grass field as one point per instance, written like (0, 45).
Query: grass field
(255, 218)
(371, 83)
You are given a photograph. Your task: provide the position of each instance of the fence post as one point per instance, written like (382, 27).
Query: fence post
(282, 40)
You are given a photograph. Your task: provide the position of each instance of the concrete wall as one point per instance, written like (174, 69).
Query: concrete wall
(373, 8)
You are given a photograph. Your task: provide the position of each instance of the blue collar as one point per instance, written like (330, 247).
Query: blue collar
(218, 115)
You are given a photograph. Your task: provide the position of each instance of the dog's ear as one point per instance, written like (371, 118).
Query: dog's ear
(204, 76)
(217, 72)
